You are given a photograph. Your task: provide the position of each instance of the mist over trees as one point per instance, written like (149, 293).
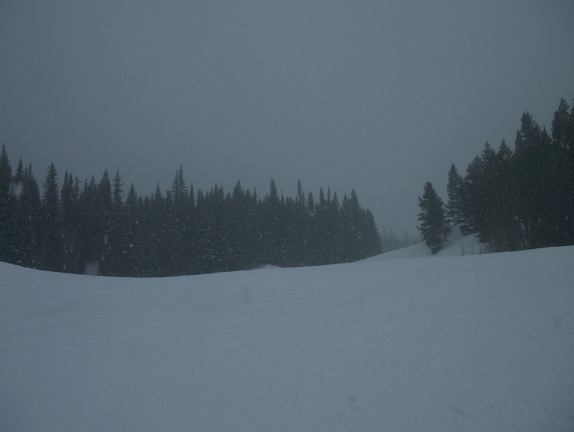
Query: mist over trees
(521, 199)
(98, 227)
(392, 241)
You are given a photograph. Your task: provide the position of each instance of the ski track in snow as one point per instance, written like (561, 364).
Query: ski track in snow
(461, 343)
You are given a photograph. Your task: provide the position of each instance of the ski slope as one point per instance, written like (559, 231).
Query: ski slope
(402, 341)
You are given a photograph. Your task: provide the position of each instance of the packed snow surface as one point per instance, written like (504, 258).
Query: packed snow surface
(396, 342)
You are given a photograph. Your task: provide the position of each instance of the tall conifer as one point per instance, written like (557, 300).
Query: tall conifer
(434, 225)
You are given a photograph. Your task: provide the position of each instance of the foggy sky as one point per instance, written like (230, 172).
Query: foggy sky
(379, 96)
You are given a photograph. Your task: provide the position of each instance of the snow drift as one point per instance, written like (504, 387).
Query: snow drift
(467, 343)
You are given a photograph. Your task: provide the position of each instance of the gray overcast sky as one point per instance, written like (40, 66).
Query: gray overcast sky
(379, 96)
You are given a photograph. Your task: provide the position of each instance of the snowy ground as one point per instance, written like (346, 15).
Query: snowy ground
(443, 343)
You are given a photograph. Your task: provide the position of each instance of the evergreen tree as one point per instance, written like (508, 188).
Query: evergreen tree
(204, 233)
(117, 194)
(533, 153)
(301, 228)
(8, 226)
(489, 197)
(29, 216)
(89, 228)
(473, 197)
(5, 177)
(506, 234)
(52, 242)
(117, 236)
(455, 199)
(106, 234)
(235, 214)
(177, 226)
(273, 228)
(434, 225)
(150, 232)
(562, 170)
(352, 229)
(329, 219)
(69, 210)
(372, 240)
(320, 234)
(132, 245)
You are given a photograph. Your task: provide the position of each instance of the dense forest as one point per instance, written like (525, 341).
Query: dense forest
(96, 228)
(513, 200)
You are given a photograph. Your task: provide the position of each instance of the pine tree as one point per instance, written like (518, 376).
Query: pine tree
(132, 247)
(7, 210)
(69, 211)
(352, 226)
(117, 192)
(178, 187)
(506, 229)
(533, 152)
(117, 229)
(29, 218)
(434, 225)
(5, 174)
(273, 225)
(490, 204)
(52, 245)
(472, 197)
(335, 247)
(301, 228)
(89, 228)
(104, 204)
(370, 238)
(455, 199)
(177, 207)
(320, 234)
(562, 170)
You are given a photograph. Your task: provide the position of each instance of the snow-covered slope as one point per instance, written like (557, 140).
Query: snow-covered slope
(468, 343)
(457, 245)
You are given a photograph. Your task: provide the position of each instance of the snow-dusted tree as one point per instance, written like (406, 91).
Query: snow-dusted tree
(434, 224)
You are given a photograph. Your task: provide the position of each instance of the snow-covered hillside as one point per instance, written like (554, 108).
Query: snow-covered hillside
(461, 343)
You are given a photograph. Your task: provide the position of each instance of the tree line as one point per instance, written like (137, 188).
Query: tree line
(94, 227)
(512, 199)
